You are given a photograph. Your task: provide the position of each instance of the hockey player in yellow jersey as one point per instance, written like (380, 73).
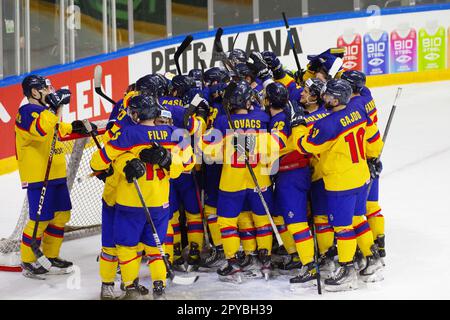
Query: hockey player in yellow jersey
(236, 185)
(36, 125)
(374, 216)
(340, 139)
(133, 152)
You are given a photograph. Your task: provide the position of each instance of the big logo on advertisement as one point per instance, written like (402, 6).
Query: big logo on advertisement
(85, 103)
(431, 49)
(376, 46)
(403, 50)
(353, 51)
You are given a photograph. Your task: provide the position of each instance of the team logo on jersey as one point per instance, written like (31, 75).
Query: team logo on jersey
(315, 132)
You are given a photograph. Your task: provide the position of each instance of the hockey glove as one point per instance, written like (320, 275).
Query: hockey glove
(157, 155)
(375, 167)
(102, 175)
(244, 143)
(64, 96)
(134, 169)
(79, 127)
(259, 66)
(297, 115)
(202, 110)
(272, 60)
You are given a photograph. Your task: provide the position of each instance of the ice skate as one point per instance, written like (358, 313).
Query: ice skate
(306, 278)
(344, 279)
(193, 259)
(159, 291)
(133, 292)
(178, 259)
(230, 272)
(215, 259)
(290, 264)
(107, 291)
(249, 264)
(60, 266)
(326, 263)
(380, 241)
(266, 263)
(373, 269)
(33, 270)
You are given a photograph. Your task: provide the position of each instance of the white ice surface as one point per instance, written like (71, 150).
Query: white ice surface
(414, 188)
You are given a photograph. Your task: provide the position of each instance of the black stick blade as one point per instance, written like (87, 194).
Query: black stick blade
(186, 42)
(217, 40)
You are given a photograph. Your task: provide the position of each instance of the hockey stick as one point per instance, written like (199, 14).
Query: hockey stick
(98, 74)
(228, 92)
(186, 42)
(35, 247)
(234, 41)
(88, 127)
(175, 279)
(291, 42)
(316, 258)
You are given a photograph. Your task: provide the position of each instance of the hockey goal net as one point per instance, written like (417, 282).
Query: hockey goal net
(85, 194)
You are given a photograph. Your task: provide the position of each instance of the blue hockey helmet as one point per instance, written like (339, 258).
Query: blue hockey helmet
(277, 95)
(337, 89)
(357, 79)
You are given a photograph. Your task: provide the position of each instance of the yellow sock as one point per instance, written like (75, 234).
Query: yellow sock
(129, 263)
(363, 235)
(26, 253)
(168, 243)
(156, 264)
(108, 264)
(285, 234)
(195, 228)
(264, 236)
(375, 218)
(211, 216)
(346, 243)
(54, 234)
(324, 233)
(247, 232)
(303, 240)
(175, 221)
(230, 236)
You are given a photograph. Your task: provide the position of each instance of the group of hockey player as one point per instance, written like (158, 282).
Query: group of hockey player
(245, 159)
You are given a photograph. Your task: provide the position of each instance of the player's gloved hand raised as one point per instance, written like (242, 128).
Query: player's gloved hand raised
(297, 115)
(58, 99)
(79, 127)
(202, 109)
(259, 66)
(272, 60)
(134, 169)
(157, 155)
(102, 175)
(375, 167)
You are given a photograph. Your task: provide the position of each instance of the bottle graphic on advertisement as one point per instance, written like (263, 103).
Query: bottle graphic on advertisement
(352, 43)
(376, 52)
(431, 47)
(403, 49)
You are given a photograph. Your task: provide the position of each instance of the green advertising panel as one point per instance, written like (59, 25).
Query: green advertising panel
(431, 49)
